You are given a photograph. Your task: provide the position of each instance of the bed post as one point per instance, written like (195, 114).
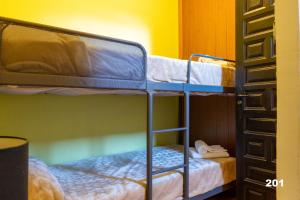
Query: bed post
(150, 95)
(186, 143)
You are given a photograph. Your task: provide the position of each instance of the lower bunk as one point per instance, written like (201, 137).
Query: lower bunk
(123, 176)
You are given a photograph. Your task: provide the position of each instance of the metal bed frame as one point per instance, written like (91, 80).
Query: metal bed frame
(187, 89)
(151, 89)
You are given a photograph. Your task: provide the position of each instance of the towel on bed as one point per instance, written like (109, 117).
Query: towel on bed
(216, 148)
(202, 150)
(202, 147)
(194, 154)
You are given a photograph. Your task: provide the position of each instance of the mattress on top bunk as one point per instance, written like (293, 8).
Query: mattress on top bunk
(203, 72)
(30, 50)
(34, 52)
(122, 177)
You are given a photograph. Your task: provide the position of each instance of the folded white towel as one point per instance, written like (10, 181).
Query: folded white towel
(202, 147)
(194, 154)
(216, 148)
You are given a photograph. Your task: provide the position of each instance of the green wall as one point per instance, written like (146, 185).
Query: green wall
(65, 128)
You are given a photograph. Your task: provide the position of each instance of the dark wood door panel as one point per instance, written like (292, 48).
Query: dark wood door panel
(253, 173)
(256, 149)
(256, 7)
(256, 101)
(263, 123)
(251, 5)
(258, 49)
(262, 73)
(255, 50)
(257, 105)
(259, 24)
(252, 191)
(260, 101)
(259, 149)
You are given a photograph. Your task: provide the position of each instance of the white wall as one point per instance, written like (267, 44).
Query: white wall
(288, 77)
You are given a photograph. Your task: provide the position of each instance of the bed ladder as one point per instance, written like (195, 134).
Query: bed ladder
(150, 138)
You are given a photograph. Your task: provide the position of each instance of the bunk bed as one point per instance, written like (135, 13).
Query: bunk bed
(41, 59)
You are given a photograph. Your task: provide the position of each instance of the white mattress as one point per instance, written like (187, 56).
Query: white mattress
(164, 69)
(122, 177)
(34, 51)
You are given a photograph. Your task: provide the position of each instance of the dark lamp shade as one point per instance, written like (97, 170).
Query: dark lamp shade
(13, 168)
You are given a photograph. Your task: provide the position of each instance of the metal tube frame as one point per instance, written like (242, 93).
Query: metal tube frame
(186, 143)
(150, 138)
(150, 95)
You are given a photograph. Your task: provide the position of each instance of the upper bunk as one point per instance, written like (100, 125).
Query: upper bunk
(37, 59)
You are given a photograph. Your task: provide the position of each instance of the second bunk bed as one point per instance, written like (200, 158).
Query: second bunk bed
(37, 59)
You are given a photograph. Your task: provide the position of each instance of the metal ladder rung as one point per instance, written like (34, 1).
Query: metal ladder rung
(170, 130)
(168, 169)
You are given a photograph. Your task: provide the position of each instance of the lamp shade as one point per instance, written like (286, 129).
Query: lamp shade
(13, 168)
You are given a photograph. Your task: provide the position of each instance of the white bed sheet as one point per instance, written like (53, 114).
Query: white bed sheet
(122, 177)
(164, 69)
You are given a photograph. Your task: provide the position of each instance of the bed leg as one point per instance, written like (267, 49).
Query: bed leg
(150, 97)
(186, 146)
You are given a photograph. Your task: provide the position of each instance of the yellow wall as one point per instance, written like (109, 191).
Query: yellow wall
(154, 23)
(67, 128)
(288, 115)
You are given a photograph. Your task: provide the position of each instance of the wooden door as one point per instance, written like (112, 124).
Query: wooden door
(256, 87)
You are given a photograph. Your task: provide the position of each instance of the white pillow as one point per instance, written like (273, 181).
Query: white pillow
(42, 184)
